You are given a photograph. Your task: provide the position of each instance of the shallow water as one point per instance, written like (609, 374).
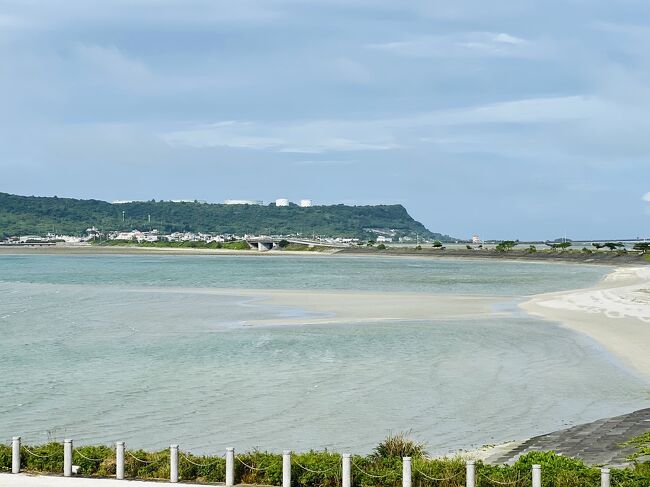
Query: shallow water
(85, 355)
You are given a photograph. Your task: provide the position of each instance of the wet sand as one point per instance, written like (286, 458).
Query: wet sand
(615, 313)
(323, 307)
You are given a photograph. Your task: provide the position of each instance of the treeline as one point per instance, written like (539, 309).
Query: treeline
(26, 215)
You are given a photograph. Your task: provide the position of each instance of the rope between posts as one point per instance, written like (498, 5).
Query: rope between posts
(199, 464)
(316, 471)
(87, 458)
(258, 469)
(435, 479)
(36, 454)
(147, 462)
(369, 474)
(513, 482)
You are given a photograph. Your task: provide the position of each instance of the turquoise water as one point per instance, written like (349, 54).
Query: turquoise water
(86, 354)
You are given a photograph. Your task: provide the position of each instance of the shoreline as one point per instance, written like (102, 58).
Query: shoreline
(615, 313)
(610, 259)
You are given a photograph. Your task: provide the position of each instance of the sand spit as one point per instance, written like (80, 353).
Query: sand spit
(323, 307)
(615, 313)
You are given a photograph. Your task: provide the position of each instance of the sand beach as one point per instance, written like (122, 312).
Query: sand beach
(615, 313)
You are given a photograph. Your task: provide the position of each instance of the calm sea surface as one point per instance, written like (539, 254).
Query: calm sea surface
(84, 353)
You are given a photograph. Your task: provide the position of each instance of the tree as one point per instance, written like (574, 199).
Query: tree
(283, 243)
(560, 245)
(437, 244)
(505, 245)
(644, 247)
(381, 246)
(609, 245)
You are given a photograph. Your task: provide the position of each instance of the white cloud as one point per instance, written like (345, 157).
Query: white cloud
(111, 61)
(324, 162)
(445, 128)
(312, 137)
(460, 45)
(646, 197)
(508, 39)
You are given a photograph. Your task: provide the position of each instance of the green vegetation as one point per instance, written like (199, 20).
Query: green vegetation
(641, 444)
(505, 246)
(531, 250)
(29, 215)
(382, 468)
(644, 247)
(399, 446)
(381, 246)
(559, 245)
(609, 245)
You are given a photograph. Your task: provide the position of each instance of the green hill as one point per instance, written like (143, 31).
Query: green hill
(31, 215)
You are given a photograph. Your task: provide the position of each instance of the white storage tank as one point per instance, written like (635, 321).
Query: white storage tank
(282, 202)
(305, 203)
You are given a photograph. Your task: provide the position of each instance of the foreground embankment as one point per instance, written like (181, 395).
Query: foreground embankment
(385, 467)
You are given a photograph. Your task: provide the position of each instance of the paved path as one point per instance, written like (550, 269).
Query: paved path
(595, 443)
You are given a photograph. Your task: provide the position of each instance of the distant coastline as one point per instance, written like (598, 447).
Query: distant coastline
(615, 259)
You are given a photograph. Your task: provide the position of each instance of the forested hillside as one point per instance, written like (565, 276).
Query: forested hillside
(27, 215)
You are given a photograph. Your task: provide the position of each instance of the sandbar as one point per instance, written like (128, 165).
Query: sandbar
(615, 313)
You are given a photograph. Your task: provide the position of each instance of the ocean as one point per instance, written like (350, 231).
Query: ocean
(101, 348)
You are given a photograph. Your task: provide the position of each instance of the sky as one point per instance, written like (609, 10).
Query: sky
(520, 119)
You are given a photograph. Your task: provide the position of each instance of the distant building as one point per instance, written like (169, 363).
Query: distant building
(243, 202)
(123, 202)
(476, 240)
(282, 202)
(305, 203)
(384, 239)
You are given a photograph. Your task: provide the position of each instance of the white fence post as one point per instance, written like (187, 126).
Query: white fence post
(604, 477)
(286, 468)
(15, 454)
(406, 472)
(346, 470)
(67, 458)
(230, 467)
(537, 476)
(173, 463)
(470, 473)
(119, 460)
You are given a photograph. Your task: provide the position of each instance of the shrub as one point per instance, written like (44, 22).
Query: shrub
(5, 458)
(399, 445)
(505, 246)
(381, 246)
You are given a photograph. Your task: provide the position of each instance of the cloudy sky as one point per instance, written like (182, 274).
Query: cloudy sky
(510, 119)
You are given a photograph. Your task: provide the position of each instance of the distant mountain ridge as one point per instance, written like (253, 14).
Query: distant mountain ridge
(37, 215)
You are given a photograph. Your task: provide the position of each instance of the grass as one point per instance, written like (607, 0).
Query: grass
(382, 468)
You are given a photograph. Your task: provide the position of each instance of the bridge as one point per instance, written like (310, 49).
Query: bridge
(264, 244)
